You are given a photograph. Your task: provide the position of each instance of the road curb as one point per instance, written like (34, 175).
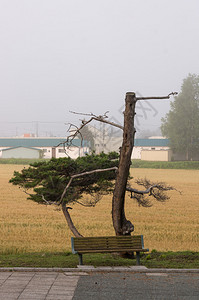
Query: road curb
(91, 269)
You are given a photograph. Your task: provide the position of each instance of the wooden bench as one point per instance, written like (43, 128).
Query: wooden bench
(108, 244)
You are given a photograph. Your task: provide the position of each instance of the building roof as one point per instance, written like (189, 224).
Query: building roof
(31, 142)
(152, 142)
(37, 142)
(29, 148)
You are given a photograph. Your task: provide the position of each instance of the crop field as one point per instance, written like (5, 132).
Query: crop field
(26, 226)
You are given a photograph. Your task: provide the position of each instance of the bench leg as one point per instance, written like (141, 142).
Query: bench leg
(137, 258)
(80, 259)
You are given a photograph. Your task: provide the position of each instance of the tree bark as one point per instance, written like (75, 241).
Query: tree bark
(69, 220)
(121, 225)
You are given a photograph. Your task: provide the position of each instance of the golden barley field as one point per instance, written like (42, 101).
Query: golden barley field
(29, 227)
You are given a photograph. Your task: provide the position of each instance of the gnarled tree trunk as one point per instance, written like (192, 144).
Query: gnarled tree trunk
(121, 225)
(69, 220)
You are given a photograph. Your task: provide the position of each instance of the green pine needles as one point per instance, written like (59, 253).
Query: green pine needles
(45, 181)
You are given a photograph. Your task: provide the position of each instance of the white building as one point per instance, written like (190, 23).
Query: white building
(151, 149)
(35, 147)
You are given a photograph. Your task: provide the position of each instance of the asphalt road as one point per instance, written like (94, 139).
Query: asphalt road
(139, 286)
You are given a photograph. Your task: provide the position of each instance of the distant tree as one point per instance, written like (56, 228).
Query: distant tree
(181, 124)
(87, 135)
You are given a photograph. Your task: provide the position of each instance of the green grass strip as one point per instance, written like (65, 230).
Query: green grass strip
(18, 161)
(185, 165)
(155, 259)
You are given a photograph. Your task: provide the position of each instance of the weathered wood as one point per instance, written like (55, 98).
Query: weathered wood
(121, 225)
(112, 250)
(108, 245)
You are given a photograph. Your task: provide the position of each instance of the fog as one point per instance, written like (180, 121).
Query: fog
(57, 56)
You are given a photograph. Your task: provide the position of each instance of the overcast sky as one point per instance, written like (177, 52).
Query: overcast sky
(62, 55)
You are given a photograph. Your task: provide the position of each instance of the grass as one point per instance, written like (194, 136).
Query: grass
(185, 165)
(136, 163)
(27, 227)
(183, 259)
(18, 161)
(67, 260)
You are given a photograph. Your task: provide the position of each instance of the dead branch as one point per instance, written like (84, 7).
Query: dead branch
(78, 130)
(157, 98)
(72, 136)
(108, 122)
(91, 114)
(100, 118)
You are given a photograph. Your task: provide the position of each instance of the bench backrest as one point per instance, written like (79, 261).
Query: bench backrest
(106, 243)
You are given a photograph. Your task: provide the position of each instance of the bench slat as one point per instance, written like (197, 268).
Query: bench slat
(108, 244)
(77, 247)
(113, 250)
(110, 238)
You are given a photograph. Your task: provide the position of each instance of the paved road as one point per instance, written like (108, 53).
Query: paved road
(139, 286)
(89, 285)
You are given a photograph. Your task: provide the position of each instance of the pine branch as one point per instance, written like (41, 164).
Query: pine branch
(83, 174)
(156, 190)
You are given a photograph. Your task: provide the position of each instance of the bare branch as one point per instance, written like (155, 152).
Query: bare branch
(156, 98)
(77, 130)
(108, 122)
(100, 118)
(72, 136)
(69, 129)
(91, 114)
(147, 191)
